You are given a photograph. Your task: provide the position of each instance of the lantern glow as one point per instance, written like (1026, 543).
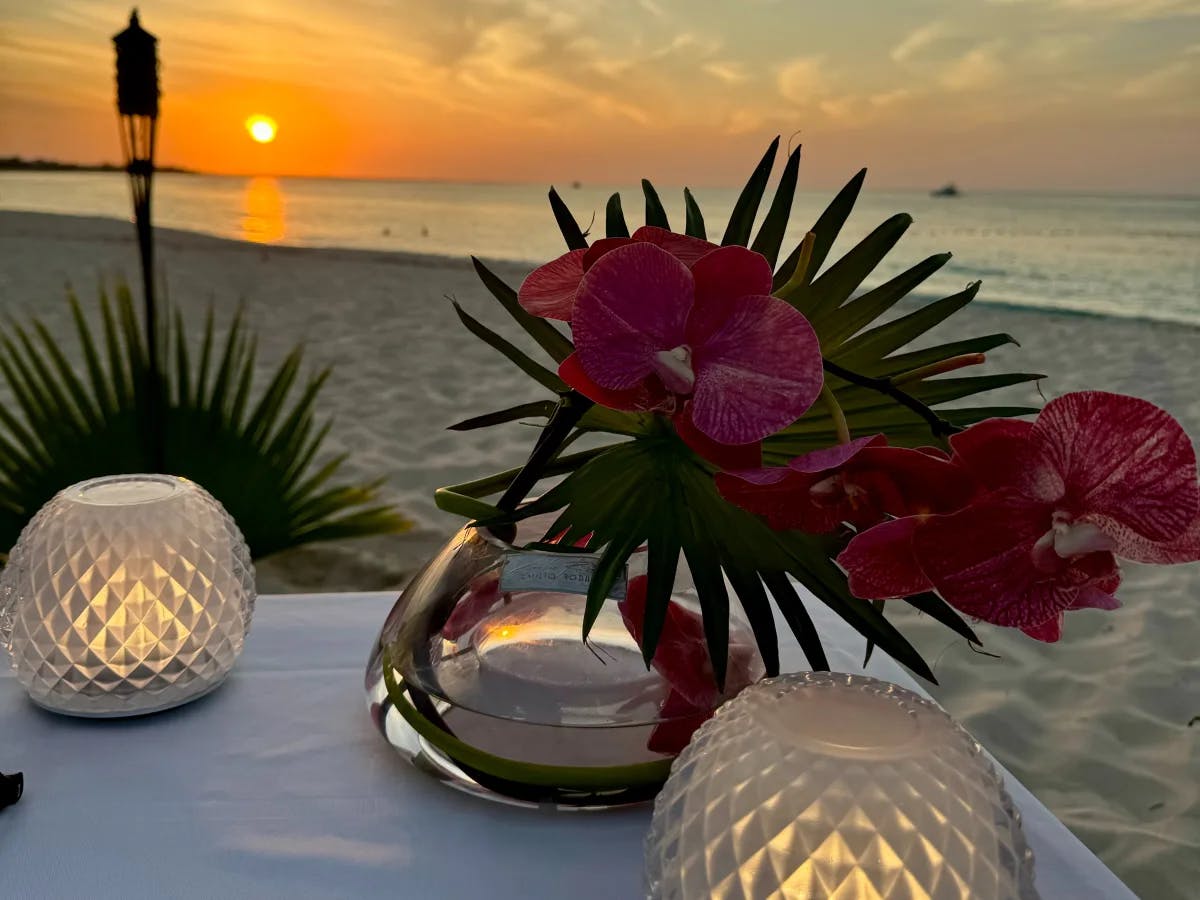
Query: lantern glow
(125, 595)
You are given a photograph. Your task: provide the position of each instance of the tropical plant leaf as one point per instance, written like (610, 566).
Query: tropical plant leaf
(865, 309)
(695, 219)
(623, 496)
(878, 604)
(614, 421)
(254, 458)
(827, 228)
(856, 401)
(937, 608)
(700, 553)
(820, 298)
(539, 408)
(571, 232)
(614, 218)
(910, 362)
(663, 546)
(655, 214)
(519, 358)
(799, 621)
(748, 587)
(612, 563)
(945, 390)
(741, 220)
(547, 336)
(969, 416)
(827, 583)
(884, 339)
(770, 234)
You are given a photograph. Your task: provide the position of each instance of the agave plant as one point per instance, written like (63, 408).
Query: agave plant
(256, 452)
(654, 490)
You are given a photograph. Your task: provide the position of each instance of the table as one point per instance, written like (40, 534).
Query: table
(277, 785)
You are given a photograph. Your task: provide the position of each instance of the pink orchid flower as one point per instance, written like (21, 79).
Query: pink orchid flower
(681, 658)
(1097, 476)
(482, 594)
(859, 482)
(549, 290)
(730, 363)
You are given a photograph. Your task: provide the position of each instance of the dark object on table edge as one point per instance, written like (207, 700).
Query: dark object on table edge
(11, 787)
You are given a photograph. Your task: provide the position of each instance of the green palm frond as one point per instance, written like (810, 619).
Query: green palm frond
(254, 451)
(653, 490)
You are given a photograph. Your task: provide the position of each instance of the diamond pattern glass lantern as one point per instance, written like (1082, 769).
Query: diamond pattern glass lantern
(822, 785)
(126, 595)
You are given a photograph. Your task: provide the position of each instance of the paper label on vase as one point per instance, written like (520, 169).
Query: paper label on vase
(567, 573)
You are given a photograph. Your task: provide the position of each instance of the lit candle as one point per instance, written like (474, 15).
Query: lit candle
(126, 595)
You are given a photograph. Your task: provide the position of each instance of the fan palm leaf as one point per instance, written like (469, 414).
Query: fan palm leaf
(255, 452)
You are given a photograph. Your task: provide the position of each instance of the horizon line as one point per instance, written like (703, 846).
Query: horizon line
(107, 168)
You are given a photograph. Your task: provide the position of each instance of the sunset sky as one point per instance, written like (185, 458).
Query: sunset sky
(1063, 94)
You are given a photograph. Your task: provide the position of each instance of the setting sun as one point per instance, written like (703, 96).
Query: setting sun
(261, 128)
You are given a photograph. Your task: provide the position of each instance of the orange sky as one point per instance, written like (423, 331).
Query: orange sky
(1070, 94)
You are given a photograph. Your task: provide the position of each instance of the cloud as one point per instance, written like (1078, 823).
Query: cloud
(1054, 48)
(978, 68)
(1128, 10)
(1135, 9)
(606, 105)
(744, 121)
(886, 99)
(918, 40)
(725, 71)
(694, 44)
(802, 80)
(842, 108)
(1178, 77)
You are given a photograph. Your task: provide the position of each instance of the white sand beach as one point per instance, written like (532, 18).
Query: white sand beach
(1097, 726)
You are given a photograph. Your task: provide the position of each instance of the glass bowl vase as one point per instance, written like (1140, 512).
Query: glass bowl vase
(480, 677)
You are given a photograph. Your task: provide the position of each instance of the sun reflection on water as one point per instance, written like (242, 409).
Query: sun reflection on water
(264, 219)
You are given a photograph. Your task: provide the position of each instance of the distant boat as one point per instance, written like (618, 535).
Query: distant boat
(946, 190)
(576, 184)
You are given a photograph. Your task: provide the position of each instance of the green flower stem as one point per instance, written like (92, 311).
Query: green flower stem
(571, 408)
(800, 273)
(940, 368)
(463, 499)
(940, 427)
(836, 413)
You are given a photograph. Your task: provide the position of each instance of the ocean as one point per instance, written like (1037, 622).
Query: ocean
(1119, 255)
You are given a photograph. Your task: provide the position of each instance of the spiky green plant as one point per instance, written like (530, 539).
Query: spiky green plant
(254, 451)
(654, 490)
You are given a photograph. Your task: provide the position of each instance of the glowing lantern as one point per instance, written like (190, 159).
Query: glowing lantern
(824, 785)
(126, 595)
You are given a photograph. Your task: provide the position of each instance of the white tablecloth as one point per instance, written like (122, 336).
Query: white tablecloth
(277, 785)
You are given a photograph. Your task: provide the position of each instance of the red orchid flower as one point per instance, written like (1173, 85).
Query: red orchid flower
(681, 658)
(1095, 477)
(709, 345)
(482, 594)
(859, 482)
(549, 290)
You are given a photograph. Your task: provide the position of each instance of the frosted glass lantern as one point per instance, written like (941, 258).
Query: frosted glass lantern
(823, 785)
(125, 595)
